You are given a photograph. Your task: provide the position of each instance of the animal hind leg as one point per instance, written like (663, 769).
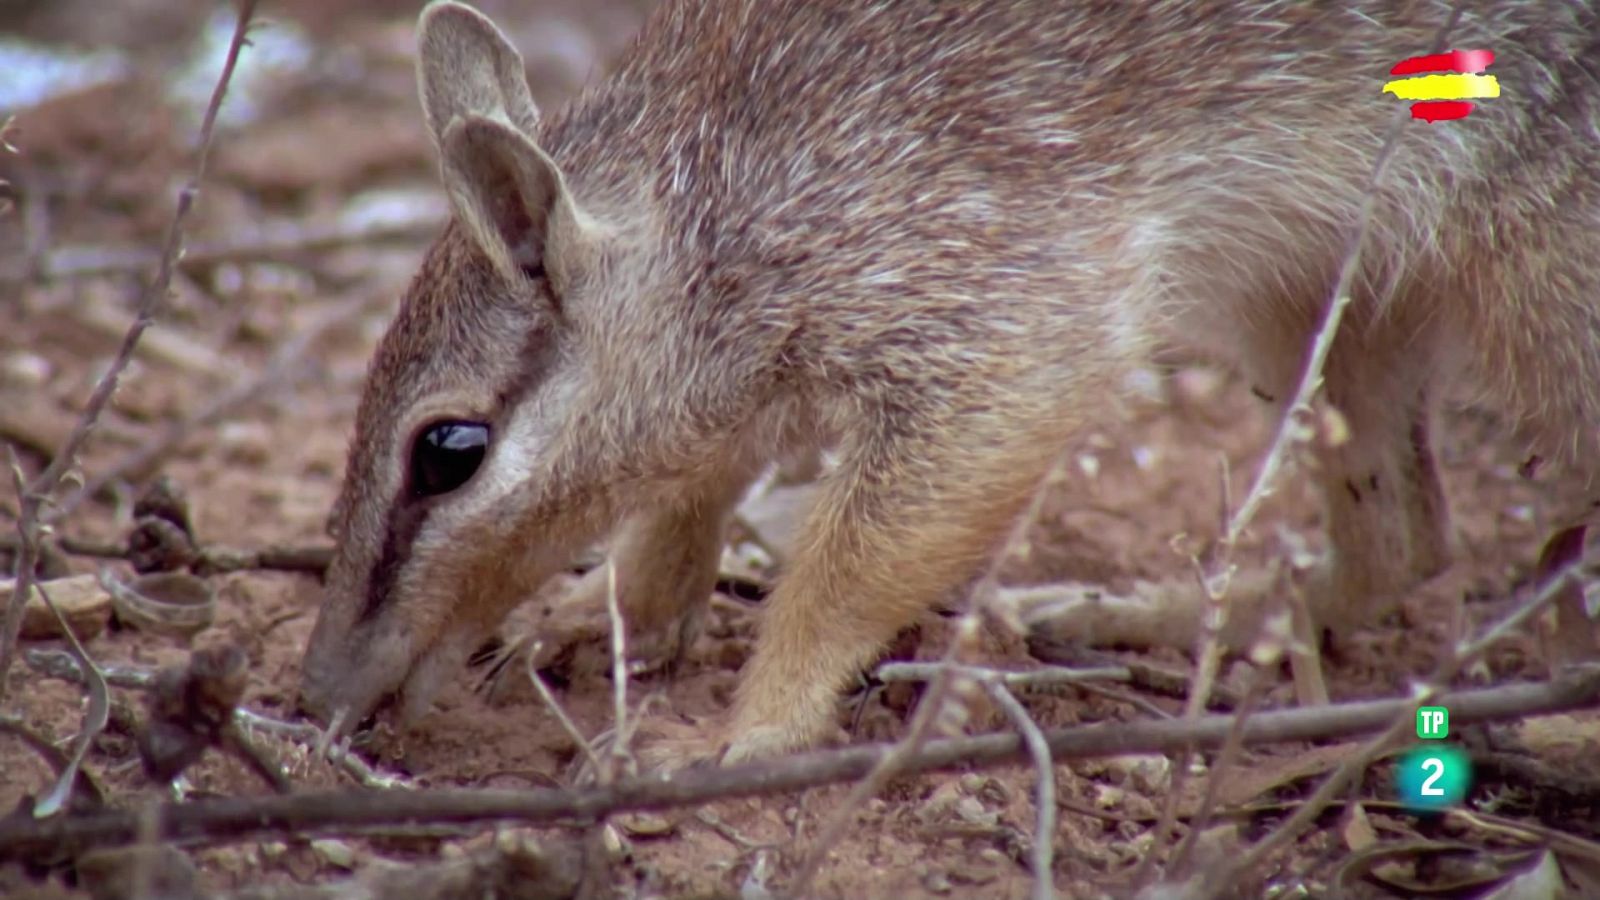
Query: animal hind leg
(1388, 521)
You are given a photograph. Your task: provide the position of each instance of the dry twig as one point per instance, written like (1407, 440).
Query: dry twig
(1177, 869)
(1045, 675)
(897, 760)
(620, 756)
(241, 818)
(551, 703)
(94, 718)
(209, 559)
(1044, 800)
(998, 685)
(85, 791)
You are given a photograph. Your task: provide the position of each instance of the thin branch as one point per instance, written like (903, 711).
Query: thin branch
(209, 559)
(94, 718)
(1045, 798)
(1311, 378)
(1177, 868)
(86, 786)
(309, 559)
(998, 684)
(244, 818)
(555, 708)
(33, 501)
(620, 755)
(238, 742)
(1045, 675)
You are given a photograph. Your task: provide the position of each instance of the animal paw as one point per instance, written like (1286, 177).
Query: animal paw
(666, 744)
(766, 741)
(659, 744)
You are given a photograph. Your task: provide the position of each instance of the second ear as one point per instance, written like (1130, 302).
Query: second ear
(508, 193)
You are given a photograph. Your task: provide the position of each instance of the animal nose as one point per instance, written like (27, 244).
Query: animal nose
(314, 701)
(325, 693)
(320, 681)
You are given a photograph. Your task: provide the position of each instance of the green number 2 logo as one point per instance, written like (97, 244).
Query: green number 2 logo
(1429, 786)
(1434, 776)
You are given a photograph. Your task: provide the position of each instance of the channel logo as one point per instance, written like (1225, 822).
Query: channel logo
(1444, 85)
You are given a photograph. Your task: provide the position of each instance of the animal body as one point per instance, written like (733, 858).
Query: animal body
(935, 234)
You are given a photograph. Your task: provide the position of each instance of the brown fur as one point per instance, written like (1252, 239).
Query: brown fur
(938, 234)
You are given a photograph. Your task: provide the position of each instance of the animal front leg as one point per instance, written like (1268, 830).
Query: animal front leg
(900, 525)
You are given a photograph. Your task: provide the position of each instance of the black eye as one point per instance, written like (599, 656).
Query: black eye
(445, 456)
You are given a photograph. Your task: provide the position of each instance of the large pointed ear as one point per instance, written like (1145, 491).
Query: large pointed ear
(466, 66)
(512, 199)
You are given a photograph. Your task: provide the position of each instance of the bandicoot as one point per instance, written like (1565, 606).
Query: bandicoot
(935, 236)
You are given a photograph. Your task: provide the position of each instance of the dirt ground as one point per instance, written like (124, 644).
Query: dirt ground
(328, 141)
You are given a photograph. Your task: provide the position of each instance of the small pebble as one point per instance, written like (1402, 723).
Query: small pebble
(1089, 464)
(335, 853)
(645, 824)
(1335, 427)
(1107, 797)
(970, 874)
(24, 369)
(1148, 772)
(246, 442)
(994, 792)
(970, 808)
(1145, 458)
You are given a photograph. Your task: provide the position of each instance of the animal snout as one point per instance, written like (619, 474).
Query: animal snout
(317, 695)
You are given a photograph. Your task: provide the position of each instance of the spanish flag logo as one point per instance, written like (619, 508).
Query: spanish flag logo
(1445, 84)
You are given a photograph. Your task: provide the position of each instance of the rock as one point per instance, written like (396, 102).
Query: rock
(1148, 772)
(86, 606)
(646, 825)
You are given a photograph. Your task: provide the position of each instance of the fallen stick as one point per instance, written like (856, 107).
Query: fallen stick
(246, 818)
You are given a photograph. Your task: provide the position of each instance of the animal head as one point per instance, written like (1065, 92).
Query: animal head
(469, 425)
